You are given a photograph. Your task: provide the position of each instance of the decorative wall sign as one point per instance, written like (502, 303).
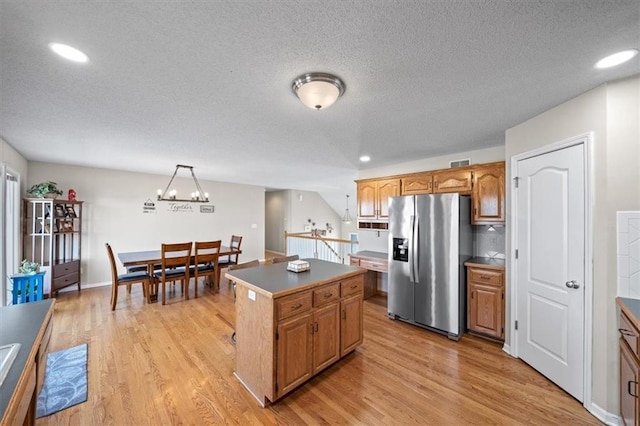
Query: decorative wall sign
(149, 206)
(180, 207)
(206, 209)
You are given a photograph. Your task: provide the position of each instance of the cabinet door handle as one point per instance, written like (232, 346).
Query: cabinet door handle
(312, 328)
(472, 294)
(315, 328)
(296, 306)
(344, 314)
(354, 286)
(629, 388)
(626, 332)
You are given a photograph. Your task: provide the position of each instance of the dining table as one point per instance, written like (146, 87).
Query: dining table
(150, 258)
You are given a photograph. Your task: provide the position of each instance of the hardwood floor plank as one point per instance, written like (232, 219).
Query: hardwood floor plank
(173, 364)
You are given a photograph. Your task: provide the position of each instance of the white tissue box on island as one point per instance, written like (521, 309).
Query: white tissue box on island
(298, 266)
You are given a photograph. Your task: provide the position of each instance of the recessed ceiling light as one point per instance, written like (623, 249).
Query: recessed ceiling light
(365, 158)
(68, 52)
(616, 58)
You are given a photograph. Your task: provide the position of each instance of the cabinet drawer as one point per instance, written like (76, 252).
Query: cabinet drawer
(351, 286)
(485, 276)
(326, 294)
(65, 280)
(294, 304)
(629, 333)
(66, 268)
(378, 265)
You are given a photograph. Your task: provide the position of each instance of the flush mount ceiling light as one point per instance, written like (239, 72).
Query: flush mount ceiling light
(365, 158)
(616, 59)
(318, 90)
(68, 52)
(171, 195)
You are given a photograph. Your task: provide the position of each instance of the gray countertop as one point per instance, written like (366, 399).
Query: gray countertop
(632, 306)
(372, 254)
(20, 324)
(276, 281)
(486, 261)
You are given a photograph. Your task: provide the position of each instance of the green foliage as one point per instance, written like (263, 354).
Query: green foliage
(41, 189)
(27, 267)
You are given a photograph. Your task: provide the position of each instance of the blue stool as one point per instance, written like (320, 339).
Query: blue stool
(27, 287)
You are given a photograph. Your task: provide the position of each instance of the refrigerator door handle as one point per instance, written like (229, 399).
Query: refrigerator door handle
(411, 260)
(414, 249)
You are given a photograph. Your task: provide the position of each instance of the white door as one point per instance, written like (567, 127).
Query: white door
(551, 265)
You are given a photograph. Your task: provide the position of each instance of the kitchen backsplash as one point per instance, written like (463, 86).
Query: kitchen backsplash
(489, 241)
(628, 224)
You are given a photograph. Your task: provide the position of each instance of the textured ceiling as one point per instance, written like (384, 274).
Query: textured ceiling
(208, 83)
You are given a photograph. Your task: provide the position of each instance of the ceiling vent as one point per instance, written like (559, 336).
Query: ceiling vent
(459, 163)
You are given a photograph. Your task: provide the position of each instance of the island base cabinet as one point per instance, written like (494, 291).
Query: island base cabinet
(282, 340)
(295, 350)
(351, 325)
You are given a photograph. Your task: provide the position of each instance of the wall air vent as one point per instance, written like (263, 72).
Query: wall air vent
(459, 163)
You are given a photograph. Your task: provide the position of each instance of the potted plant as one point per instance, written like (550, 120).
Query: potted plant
(46, 189)
(27, 267)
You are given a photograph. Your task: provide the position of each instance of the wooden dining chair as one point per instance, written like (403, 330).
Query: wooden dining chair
(285, 258)
(235, 243)
(175, 266)
(126, 279)
(245, 265)
(206, 262)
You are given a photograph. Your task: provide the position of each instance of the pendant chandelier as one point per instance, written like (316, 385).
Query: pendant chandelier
(347, 216)
(198, 196)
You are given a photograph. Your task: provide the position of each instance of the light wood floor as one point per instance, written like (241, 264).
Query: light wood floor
(173, 364)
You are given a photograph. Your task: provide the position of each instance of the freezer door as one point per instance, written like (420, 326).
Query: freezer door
(400, 290)
(437, 295)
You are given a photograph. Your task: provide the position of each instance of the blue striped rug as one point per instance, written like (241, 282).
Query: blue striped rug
(65, 380)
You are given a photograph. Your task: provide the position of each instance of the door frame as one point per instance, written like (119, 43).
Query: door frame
(586, 140)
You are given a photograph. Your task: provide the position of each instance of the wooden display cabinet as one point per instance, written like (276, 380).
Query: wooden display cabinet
(52, 231)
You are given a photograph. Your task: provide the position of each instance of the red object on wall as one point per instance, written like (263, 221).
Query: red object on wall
(72, 195)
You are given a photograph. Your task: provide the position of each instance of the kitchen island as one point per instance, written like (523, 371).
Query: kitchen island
(290, 326)
(29, 325)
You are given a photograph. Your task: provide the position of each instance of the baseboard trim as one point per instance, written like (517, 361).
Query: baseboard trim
(604, 416)
(507, 349)
(83, 286)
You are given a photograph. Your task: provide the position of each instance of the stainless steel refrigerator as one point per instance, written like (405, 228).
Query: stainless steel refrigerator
(429, 240)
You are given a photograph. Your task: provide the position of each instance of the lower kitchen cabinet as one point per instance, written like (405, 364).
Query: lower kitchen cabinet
(290, 327)
(485, 302)
(629, 345)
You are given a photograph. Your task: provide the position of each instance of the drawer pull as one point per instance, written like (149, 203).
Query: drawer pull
(485, 277)
(626, 332)
(353, 287)
(629, 388)
(296, 306)
(328, 295)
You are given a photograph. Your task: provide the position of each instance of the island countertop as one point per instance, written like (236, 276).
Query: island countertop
(25, 324)
(275, 280)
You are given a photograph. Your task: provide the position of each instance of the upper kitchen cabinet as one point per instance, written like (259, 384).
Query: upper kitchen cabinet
(373, 197)
(488, 195)
(416, 184)
(454, 180)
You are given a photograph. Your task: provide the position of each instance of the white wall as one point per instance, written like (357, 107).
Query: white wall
(113, 213)
(612, 113)
(276, 217)
(306, 205)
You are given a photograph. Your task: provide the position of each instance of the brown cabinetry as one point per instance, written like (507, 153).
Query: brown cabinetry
(629, 371)
(488, 195)
(52, 232)
(286, 337)
(373, 198)
(456, 180)
(485, 301)
(420, 183)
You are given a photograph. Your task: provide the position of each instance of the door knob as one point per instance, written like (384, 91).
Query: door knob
(572, 284)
